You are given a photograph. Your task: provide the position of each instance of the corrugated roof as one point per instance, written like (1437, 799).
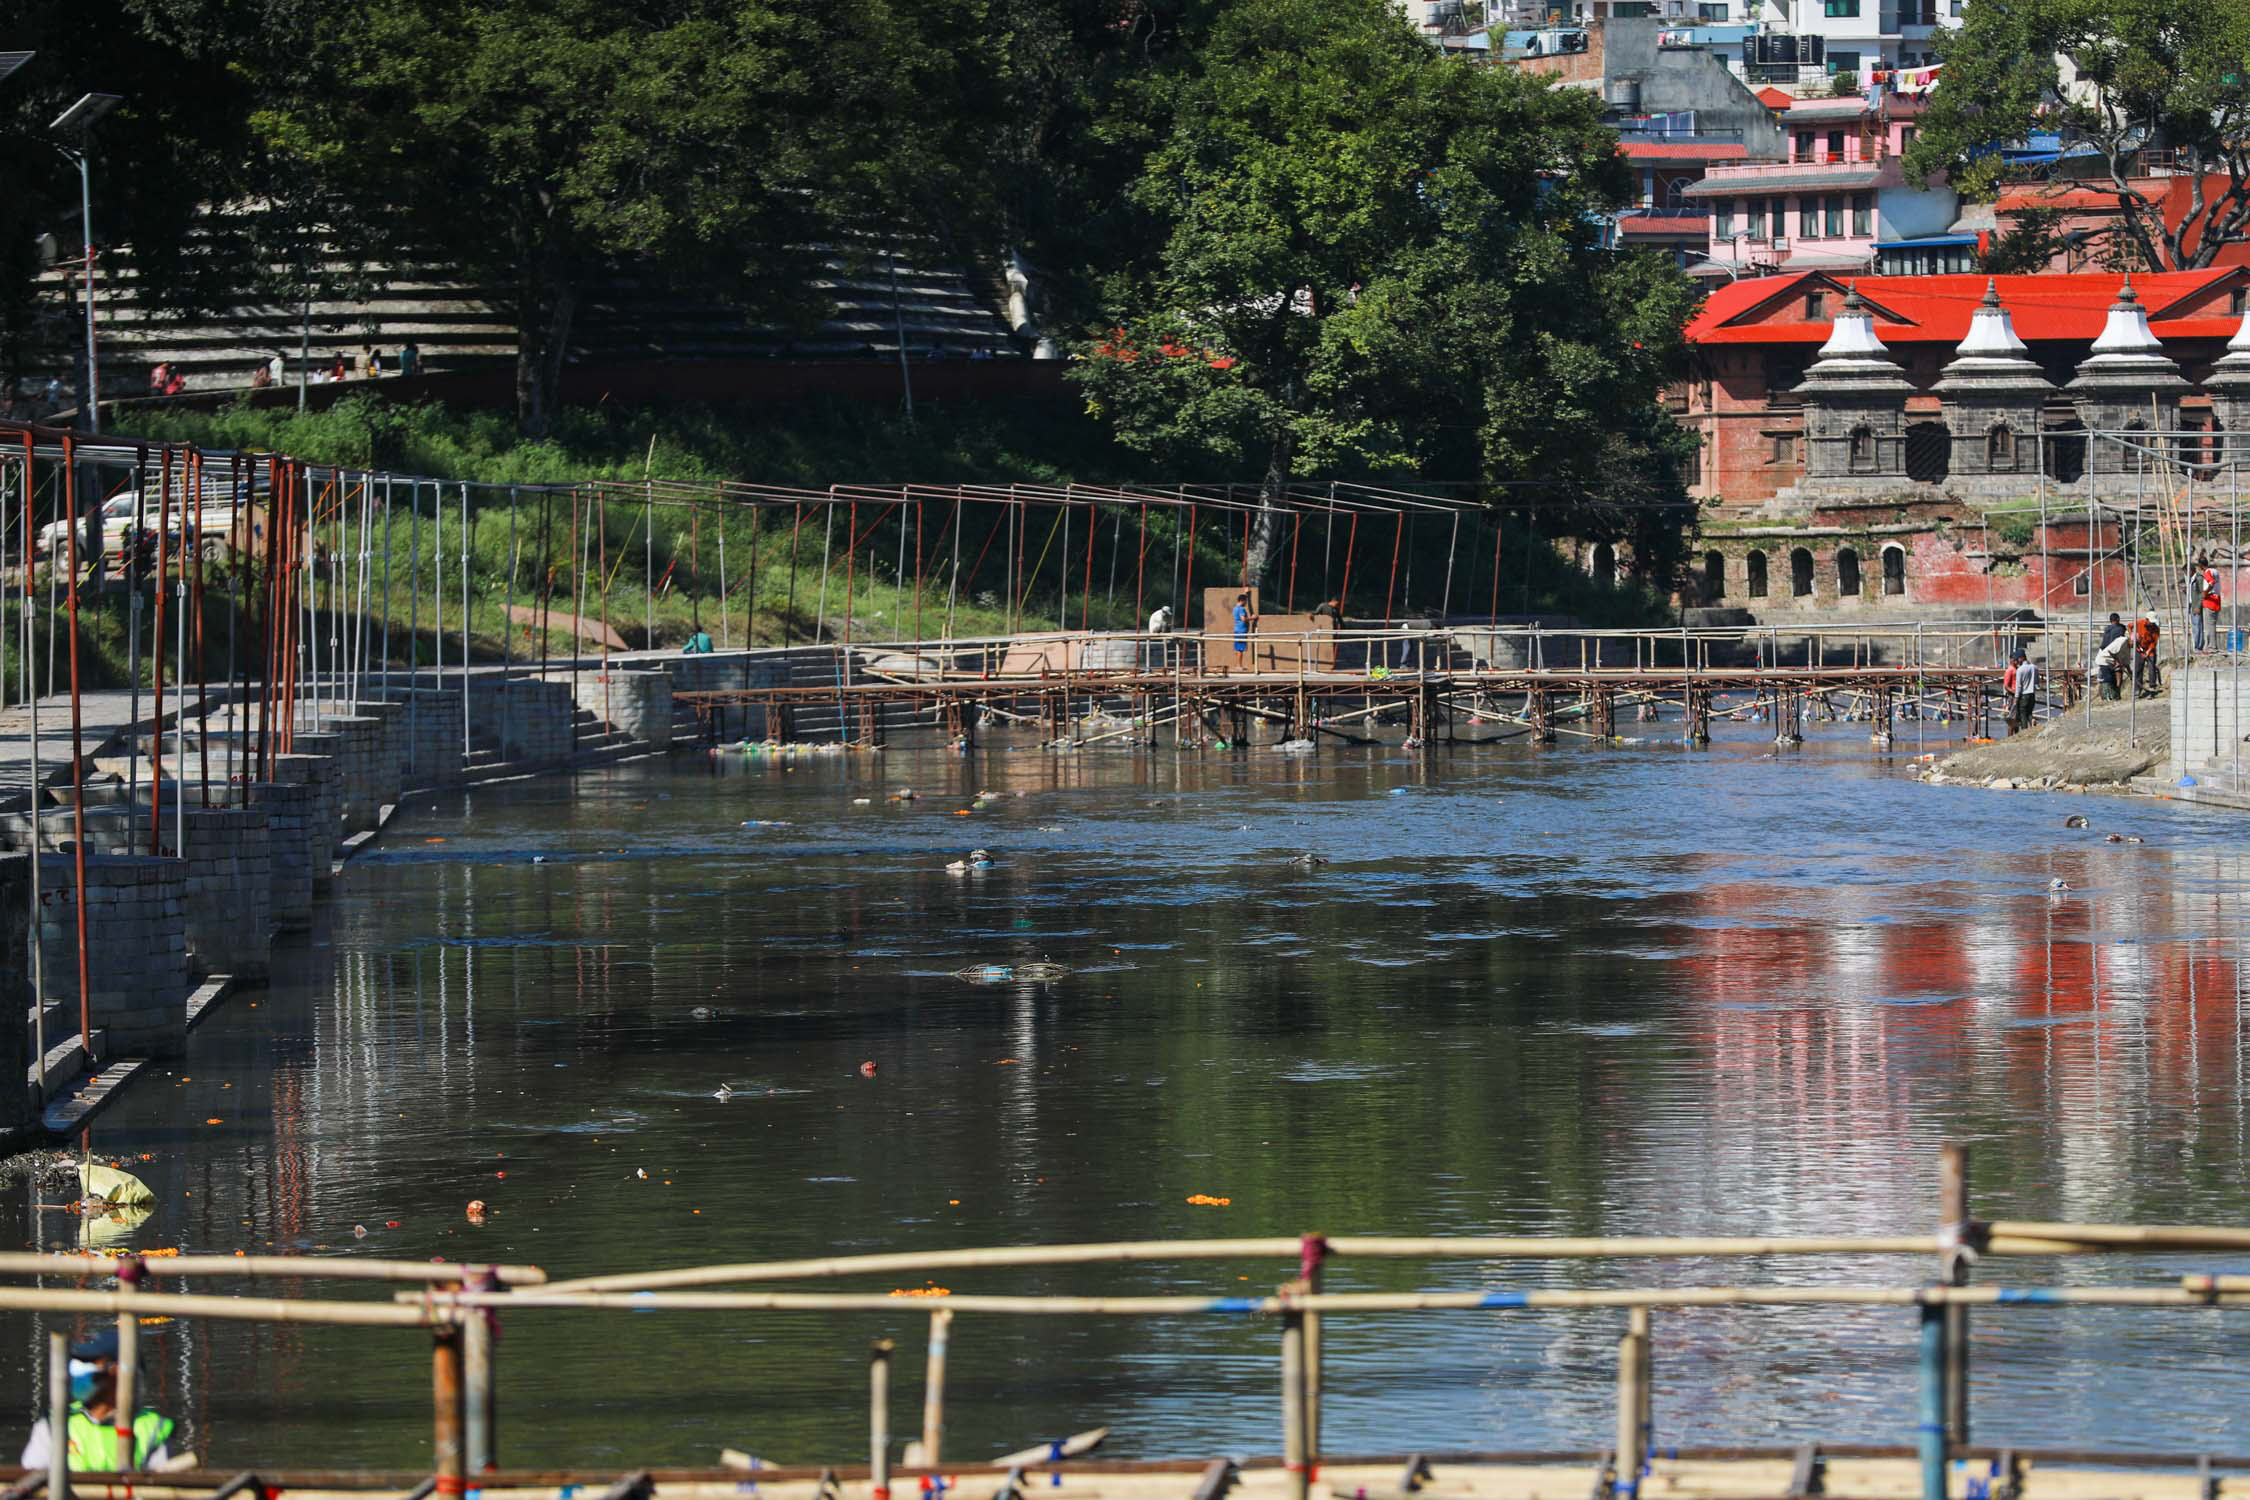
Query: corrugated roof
(1937, 309)
(1757, 184)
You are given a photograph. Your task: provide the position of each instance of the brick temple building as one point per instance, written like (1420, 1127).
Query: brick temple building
(1858, 438)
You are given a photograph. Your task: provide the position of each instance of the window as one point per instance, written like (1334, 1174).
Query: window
(1714, 575)
(2237, 300)
(1754, 575)
(1804, 145)
(1833, 210)
(1847, 573)
(1780, 207)
(1800, 573)
(1816, 307)
(1905, 137)
(1844, 62)
(1709, 12)
(1722, 221)
(1757, 219)
(1862, 450)
(1784, 447)
(1835, 145)
(1863, 214)
(1808, 218)
(2000, 450)
(1835, 8)
(1894, 570)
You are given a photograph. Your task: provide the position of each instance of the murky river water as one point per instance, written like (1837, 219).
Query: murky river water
(1584, 991)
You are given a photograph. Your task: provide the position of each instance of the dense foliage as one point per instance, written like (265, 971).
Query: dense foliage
(1325, 248)
(2115, 80)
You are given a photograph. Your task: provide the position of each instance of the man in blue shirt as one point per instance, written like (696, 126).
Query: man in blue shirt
(1243, 620)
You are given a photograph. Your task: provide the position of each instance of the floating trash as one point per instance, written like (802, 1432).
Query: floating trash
(1032, 973)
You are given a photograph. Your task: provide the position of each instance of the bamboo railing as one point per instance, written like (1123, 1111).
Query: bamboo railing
(457, 1305)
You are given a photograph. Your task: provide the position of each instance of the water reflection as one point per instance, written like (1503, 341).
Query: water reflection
(1578, 992)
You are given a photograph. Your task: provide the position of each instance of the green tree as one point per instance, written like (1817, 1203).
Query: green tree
(1364, 256)
(537, 146)
(2116, 80)
(179, 134)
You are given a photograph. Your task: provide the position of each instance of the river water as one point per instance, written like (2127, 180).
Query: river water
(1583, 991)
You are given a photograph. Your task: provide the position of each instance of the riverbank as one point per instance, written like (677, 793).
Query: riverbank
(2093, 747)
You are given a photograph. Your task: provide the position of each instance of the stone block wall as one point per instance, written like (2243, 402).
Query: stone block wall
(431, 722)
(389, 755)
(228, 922)
(289, 808)
(637, 705)
(136, 956)
(19, 1105)
(324, 813)
(2210, 715)
(360, 750)
(524, 718)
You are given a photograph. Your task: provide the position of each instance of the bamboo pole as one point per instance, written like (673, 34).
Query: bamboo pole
(1632, 1356)
(58, 1408)
(879, 1419)
(419, 1313)
(128, 1352)
(1468, 1247)
(1295, 1458)
(1339, 1302)
(332, 1268)
(1953, 1269)
(447, 1452)
(933, 1388)
(479, 1439)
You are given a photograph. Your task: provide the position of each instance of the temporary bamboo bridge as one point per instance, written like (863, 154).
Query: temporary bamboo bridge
(1456, 684)
(458, 1306)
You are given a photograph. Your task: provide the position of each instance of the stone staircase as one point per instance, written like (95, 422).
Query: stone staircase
(937, 308)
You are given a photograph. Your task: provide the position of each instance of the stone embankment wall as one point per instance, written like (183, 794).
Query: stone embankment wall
(227, 874)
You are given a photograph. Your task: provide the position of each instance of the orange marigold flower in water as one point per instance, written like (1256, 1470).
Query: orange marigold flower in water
(932, 1290)
(1205, 1200)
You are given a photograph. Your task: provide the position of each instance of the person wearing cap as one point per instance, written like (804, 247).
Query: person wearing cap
(2026, 689)
(95, 1446)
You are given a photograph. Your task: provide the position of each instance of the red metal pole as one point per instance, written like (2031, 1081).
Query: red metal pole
(156, 766)
(1344, 594)
(195, 604)
(1189, 602)
(1496, 570)
(1140, 570)
(1086, 599)
(1296, 534)
(1390, 590)
(77, 758)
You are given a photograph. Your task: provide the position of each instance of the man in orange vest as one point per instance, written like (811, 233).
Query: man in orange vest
(2145, 636)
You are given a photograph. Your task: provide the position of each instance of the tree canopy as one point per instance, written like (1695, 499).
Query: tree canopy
(2124, 84)
(1369, 257)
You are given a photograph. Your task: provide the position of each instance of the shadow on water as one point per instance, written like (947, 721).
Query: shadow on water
(1609, 990)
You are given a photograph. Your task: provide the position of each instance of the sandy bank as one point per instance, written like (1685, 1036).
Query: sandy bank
(2070, 750)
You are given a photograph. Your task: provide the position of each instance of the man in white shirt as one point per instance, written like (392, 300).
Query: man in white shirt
(2027, 693)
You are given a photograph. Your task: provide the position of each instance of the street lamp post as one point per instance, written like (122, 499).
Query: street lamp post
(78, 121)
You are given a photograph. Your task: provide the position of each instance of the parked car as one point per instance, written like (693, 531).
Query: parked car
(117, 520)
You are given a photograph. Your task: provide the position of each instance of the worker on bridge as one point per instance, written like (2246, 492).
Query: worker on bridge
(95, 1445)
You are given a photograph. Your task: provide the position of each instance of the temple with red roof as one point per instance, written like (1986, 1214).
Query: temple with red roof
(1869, 423)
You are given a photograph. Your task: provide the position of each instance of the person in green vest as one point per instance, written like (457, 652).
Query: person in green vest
(94, 1445)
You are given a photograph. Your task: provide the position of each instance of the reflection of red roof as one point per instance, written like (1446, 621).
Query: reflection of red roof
(1936, 309)
(1651, 225)
(1773, 98)
(1684, 150)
